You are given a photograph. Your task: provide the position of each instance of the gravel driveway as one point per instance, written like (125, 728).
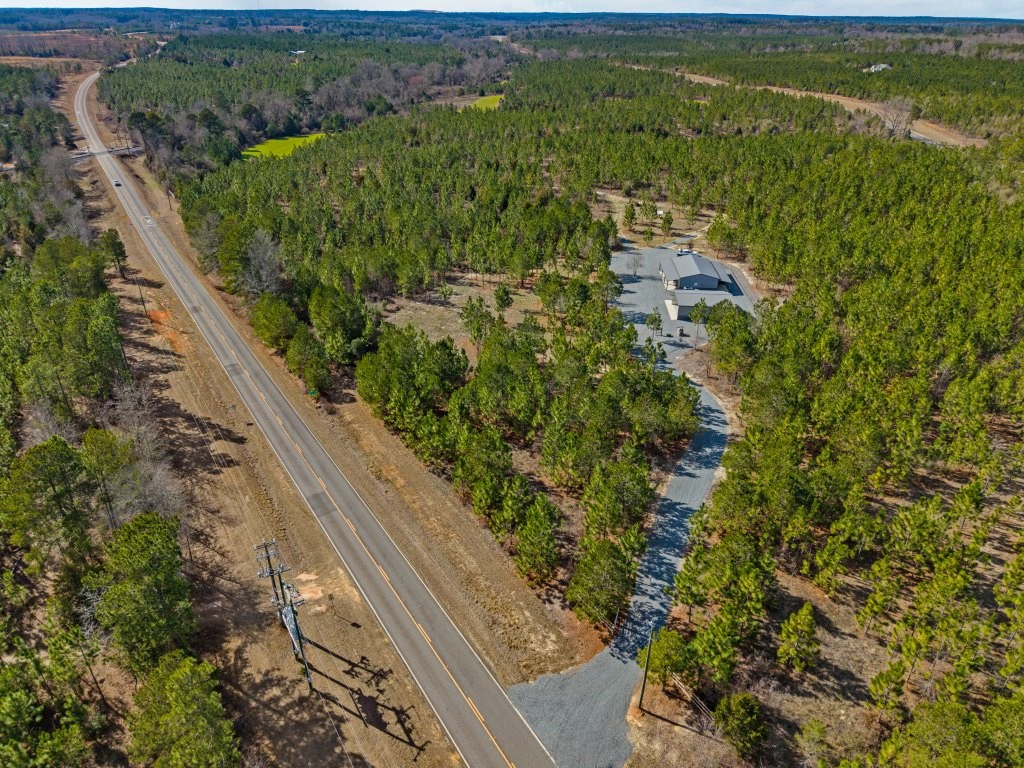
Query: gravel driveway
(580, 715)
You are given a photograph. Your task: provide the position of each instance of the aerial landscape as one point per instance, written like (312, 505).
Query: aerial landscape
(511, 389)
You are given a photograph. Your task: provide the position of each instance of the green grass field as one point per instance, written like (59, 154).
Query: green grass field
(280, 147)
(488, 102)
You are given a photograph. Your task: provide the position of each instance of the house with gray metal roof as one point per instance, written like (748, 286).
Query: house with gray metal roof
(691, 278)
(688, 270)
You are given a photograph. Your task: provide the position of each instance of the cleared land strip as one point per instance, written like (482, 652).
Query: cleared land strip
(923, 130)
(472, 707)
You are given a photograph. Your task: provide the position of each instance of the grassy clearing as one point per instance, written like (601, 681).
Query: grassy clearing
(280, 147)
(488, 102)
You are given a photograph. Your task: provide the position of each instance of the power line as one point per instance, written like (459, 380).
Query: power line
(286, 599)
(210, 432)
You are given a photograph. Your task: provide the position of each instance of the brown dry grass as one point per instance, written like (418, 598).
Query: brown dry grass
(834, 692)
(39, 62)
(439, 318)
(244, 496)
(608, 201)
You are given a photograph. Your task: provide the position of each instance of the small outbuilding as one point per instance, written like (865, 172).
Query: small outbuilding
(683, 302)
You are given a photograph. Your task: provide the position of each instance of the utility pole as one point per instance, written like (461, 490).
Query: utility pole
(647, 663)
(270, 551)
(286, 599)
(141, 297)
(298, 639)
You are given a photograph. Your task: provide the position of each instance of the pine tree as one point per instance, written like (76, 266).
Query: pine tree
(502, 298)
(670, 654)
(740, 719)
(798, 647)
(536, 546)
(145, 602)
(666, 224)
(179, 720)
(629, 215)
(653, 321)
(273, 321)
(887, 686)
(601, 583)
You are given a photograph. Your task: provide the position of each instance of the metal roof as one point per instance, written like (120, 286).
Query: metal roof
(690, 263)
(690, 298)
(724, 274)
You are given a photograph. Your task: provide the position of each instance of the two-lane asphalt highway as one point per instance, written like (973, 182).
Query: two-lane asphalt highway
(482, 723)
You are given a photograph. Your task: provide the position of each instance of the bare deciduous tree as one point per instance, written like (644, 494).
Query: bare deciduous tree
(254, 757)
(262, 272)
(207, 239)
(148, 483)
(896, 116)
(41, 423)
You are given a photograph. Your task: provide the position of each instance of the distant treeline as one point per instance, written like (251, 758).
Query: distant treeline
(425, 23)
(205, 98)
(975, 86)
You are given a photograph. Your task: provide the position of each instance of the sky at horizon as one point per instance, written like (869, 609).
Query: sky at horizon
(1001, 9)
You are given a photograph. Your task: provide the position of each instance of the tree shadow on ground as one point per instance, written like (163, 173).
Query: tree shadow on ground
(194, 434)
(835, 682)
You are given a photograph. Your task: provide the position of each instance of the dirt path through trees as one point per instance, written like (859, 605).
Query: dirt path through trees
(925, 130)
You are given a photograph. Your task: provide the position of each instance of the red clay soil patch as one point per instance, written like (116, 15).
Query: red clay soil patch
(161, 321)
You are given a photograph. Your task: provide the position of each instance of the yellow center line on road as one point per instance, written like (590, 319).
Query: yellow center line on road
(475, 710)
(356, 536)
(387, 580)
(425, 635)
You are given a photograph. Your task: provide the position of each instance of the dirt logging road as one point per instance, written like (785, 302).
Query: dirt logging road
(922, 130)
(471, 705)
